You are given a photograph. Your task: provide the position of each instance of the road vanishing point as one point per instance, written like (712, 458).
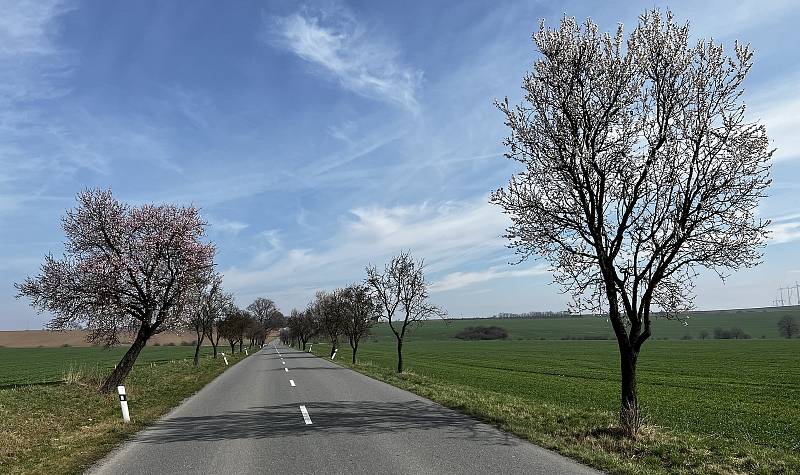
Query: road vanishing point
(286, 411)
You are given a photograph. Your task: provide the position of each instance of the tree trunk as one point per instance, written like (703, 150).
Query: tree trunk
(197, 350)
(117, 377)
(629, 405)
(355, 350)
(399, 355)
(214, 346)
(233, 346)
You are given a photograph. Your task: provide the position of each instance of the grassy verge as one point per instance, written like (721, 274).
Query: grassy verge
(584, 432)
(64, 428)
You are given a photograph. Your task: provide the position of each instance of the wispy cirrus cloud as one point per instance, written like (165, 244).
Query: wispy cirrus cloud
(784, 232)
(226, 226)
(30, 60)
(341, 46)
(447, 235)
(457, 280)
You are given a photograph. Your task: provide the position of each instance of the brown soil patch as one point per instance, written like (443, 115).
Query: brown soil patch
(37, 338)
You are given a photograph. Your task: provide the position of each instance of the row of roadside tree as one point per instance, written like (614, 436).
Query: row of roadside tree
(397, 294)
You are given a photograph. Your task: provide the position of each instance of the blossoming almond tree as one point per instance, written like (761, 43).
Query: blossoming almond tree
(640, 169)
(124, 269)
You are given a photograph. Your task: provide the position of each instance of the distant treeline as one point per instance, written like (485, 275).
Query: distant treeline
(533, 315)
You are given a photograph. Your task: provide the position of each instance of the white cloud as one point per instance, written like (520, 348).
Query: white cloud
(447, 236)
(342, 47)
(29, 57)
(784, 232)
(777, 110)
(457, 280)
(225, 226)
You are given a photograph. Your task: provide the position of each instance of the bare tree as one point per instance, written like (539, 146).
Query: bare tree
(360, 310)
(124, 269)
(402, 287)
(206, 308)
(285, 336)
(640, 170)
(329, 310)
(264, 311)
(213, 329)
(214, 307)
(303, 326)
(788, 327)
(234, 327)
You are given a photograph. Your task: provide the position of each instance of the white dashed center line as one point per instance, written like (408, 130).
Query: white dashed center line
(291, 381)
(283, 362)
(306, 417)
(286, 369)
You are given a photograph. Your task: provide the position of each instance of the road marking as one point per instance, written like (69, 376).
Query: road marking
(291, 381)
(306, 417)
(283, 362)
(286, 369)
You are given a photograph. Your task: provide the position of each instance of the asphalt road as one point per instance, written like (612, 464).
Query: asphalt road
(317, 417)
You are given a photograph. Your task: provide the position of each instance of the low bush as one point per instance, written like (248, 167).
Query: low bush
(172, 343)
(482, 333)
(734, 333)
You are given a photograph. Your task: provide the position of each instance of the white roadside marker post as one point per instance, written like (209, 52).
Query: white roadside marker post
(225, 358)
(246, 353)
(334, 353)
(123, 403)
(309, 347)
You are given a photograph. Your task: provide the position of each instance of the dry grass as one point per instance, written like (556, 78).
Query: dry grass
(64, 428)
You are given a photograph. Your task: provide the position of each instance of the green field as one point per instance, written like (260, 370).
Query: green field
(23, 366)
(65, 427)
(758, 323)
(733, 405)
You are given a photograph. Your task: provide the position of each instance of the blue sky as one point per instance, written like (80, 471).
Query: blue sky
(318, 137)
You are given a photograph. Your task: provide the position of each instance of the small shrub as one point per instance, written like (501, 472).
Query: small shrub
(687, 336)
(172, 343)
(788, 327)
(734, 333)
(188, 343)
(156, 344)
(739, 334)
(66, 345)
(482, 333)
(703, 334)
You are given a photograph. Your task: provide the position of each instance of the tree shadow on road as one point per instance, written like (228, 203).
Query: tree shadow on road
(329, 418)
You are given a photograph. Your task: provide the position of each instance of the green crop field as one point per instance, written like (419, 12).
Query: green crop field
(758, 323)
(734, 404)
(22, 366)
(746, 389)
